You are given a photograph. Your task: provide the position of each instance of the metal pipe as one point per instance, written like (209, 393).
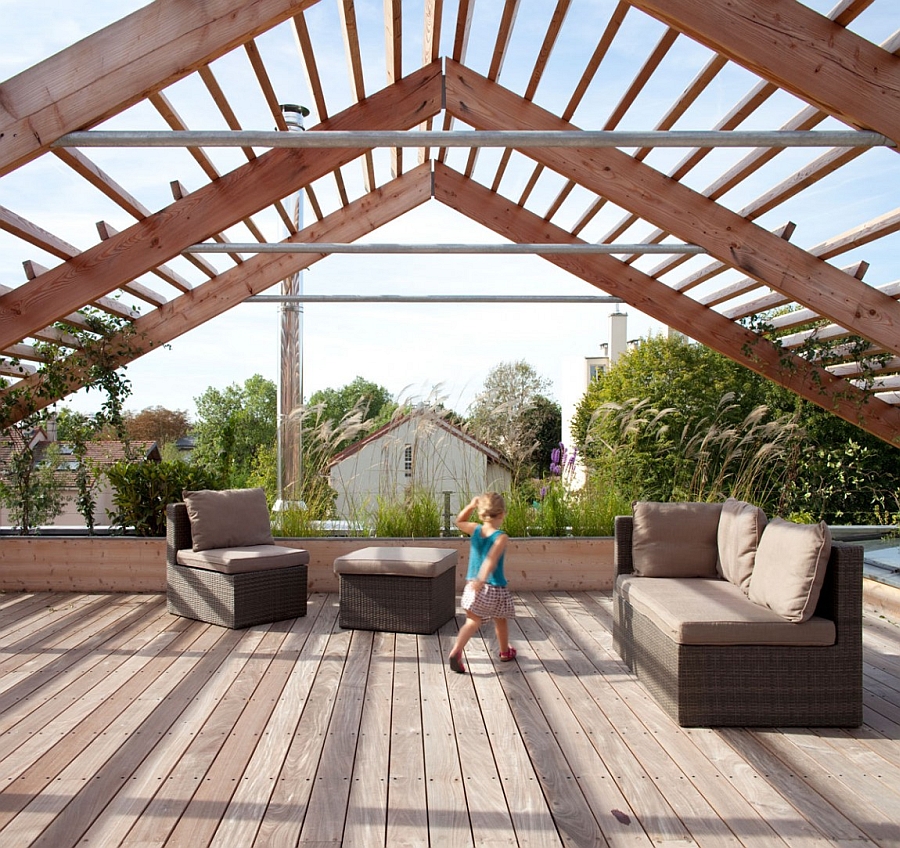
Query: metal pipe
(434, 298)
(367, 139)
(369, 247)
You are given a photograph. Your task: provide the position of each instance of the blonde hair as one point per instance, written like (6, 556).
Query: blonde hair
(491, 505)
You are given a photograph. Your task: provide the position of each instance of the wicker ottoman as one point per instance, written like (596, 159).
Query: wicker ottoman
(398, 590)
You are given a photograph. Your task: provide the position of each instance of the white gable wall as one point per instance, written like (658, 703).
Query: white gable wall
(416, 453)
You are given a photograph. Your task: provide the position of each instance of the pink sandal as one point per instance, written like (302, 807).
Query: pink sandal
(456, 664)
(508, 656)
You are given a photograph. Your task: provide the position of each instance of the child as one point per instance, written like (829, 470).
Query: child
(485, 595)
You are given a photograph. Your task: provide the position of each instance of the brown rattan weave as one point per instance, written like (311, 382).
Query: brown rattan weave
(229, 600)
(397, 603)
(752, 685)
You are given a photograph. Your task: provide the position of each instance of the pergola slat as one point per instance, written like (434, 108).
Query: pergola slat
(311, 69)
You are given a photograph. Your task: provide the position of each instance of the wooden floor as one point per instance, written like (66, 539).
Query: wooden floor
(123, 725)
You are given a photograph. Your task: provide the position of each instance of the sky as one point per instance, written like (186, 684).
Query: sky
(418, 352)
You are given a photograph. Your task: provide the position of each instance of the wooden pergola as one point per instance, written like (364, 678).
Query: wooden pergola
(753, 214)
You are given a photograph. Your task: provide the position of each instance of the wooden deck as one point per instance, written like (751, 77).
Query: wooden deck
(123, 725)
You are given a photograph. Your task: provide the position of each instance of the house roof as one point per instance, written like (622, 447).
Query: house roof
(813, 229)
(100, 453)
(432, 419)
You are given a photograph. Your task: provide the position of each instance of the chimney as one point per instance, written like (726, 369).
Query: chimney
(618, 335)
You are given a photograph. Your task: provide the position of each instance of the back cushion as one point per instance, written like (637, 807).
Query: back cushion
(233, 518)
(675, 539)
(740, 528)
(790, 568)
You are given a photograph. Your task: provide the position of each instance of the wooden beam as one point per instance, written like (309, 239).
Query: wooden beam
(687, 214)
(255, 275)
(120, 65)
(679, 311)
(211, 209)
(799, 50)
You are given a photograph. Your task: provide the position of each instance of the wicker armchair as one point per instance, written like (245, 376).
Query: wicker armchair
(232, 587)
(751, 685)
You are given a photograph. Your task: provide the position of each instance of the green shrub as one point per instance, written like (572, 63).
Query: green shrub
(417, 516)
(142, 490)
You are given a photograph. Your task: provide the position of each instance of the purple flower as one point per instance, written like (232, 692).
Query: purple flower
(543, 492)
(554, 457)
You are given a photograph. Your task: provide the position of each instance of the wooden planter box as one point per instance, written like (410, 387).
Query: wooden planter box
(133, 564)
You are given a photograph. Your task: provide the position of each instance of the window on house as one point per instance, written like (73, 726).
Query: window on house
(407, 460)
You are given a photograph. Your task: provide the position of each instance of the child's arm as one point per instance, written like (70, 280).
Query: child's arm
(490, 562)
(462, 520)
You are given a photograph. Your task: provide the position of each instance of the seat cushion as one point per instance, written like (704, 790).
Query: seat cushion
(790, 568)
(231, 518)
(740, 528)
(242, 560)
(675, 539)
(693, 611)
(407, 562)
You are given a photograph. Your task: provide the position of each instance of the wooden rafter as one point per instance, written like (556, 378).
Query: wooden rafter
(255, 275)
(798, 50)
(685, 213)
(208, 210)
(677, 310)
(162, 42)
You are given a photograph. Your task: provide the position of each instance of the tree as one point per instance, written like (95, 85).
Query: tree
(373, 403)
(672, 419)
(232, 426)
(503, 416)
(157, 424)
(545, 418)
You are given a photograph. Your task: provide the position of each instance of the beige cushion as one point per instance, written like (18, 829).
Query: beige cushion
(740, 527)
(790, 568)
(242, 560)
(232, 518)
(675, 539)
(716, 612)
(407, 562)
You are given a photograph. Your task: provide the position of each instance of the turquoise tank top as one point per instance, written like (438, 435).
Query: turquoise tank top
(479, 548)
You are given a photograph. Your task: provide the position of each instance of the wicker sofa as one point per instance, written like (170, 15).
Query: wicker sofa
(222, 565)
(711, 656)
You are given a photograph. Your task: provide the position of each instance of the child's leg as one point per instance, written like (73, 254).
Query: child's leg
(502, 627)
(466, 632)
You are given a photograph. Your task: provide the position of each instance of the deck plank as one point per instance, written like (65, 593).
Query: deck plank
(121, 724)
(327, 812)
(366, 822)
(485, 801)
(448, 819)
(407, 811)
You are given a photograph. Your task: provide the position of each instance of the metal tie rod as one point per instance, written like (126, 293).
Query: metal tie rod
(424, 298)
(370, 247)
(366, 139)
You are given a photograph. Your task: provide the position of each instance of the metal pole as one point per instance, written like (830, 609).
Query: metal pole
(437, 298)
(486, 249)
(367, 139)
